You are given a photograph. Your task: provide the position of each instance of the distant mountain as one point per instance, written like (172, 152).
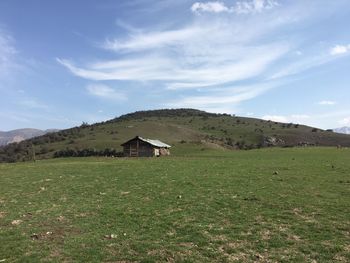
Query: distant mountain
(344, 130)
(7, 137)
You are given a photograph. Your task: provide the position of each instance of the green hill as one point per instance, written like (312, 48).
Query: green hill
(187, 130)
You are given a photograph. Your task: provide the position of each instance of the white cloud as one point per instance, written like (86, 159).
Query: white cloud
(322, 120)
(208, 57)
(214, 7)
(105, 92)
(294, 118)
(278, 118)
(302, 65)
(142, 41)
(345, 121)
(241, 7)
(203, 54)
(254, 6)
(197, 59)
(339, 49)
(327, 102)
(224, 98)
(229, 109)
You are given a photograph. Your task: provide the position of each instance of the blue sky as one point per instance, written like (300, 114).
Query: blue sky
(65, 62)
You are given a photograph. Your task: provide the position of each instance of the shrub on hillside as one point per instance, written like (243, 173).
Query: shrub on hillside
(87, 153)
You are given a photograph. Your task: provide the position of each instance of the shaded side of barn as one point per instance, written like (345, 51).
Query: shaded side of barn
(141, 147)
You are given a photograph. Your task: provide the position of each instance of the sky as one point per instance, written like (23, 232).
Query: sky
(67, 62)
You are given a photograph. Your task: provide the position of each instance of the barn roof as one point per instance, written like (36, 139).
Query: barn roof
(156, 143)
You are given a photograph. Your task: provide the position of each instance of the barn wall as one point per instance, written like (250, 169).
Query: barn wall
(138, 148)
(126, 150)
(145, 150)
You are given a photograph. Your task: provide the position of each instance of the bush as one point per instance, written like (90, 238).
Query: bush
(84, 124)
(230, 142)
(241, 144)
(109, 152)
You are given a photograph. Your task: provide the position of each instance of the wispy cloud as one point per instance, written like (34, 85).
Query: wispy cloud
(326, 120)
(179, 73)
(7, 51)
(307, 62)
(254, 6)
(192, 57)
(105, 92)
(224, 98)
(294, 118)
(344, 121)
(241, 7)
(327, 102)
(40, 120)
(192, 61)
(339, 49)
(32, 104)
(278, 118)
(214, 7)
(143, 41)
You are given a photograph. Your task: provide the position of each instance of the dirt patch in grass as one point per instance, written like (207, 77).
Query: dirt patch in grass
(2, 214)
(265, 234)
(307, 218)
(16, 222)
(219, 238)
(292, 237)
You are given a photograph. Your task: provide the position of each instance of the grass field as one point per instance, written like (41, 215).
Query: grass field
(269, 205)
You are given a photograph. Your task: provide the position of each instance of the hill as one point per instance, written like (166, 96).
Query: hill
(7, 137)
(187, 130)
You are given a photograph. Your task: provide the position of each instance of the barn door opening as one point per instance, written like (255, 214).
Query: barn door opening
(133, 151)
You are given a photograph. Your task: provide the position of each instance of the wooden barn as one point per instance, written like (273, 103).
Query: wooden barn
(140, 147)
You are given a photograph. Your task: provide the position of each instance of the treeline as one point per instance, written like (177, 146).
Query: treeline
(17, 152)
(166, 113)
(109, 152)
(69, 134)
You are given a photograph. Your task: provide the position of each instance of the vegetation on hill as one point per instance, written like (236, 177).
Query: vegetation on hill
(185, 129)
(271, 205)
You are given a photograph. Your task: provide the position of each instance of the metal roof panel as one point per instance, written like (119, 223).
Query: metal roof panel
(157, 143)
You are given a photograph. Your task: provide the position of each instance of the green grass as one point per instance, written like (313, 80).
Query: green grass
(271, 205)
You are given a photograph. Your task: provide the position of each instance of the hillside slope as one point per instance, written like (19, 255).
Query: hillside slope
(187, 130)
